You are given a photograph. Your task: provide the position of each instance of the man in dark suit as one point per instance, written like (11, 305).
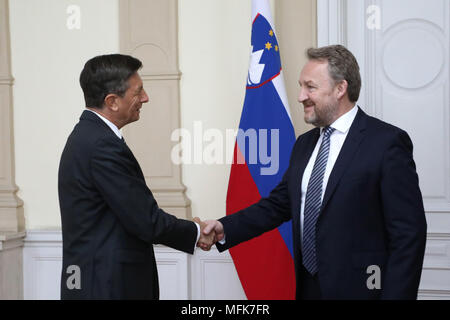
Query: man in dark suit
(110, 219)
(351, 190)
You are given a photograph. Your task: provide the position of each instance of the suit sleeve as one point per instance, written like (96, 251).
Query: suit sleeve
(404, 218)
(263, 216)
(126, 193)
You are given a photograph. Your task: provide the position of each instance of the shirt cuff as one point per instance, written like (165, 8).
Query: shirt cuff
(198, 234)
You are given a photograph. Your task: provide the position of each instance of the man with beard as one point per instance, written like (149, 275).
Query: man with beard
(351, 190)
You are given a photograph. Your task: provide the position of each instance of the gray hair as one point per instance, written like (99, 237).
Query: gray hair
(342, 65)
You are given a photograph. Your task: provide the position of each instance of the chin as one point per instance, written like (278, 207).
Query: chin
(310, 119)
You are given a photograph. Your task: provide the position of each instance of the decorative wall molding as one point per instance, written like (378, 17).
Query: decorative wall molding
(11, 240)
(149, 31)
(181, 276)
(11, 207)
(399, 81)
(213, 276)
(11, 280)
(6, 81)
(12, 221)
(173, 273)
(42, 263)
(206, 275)
(331, 22)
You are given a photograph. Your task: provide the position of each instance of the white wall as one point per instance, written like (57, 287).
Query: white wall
(47, 59)
(214, 51)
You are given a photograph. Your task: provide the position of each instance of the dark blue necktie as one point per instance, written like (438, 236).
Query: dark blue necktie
(313, 203)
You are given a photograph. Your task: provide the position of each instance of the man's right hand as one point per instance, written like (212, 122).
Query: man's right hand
(214, 226)
(211, 232)
(205, 241)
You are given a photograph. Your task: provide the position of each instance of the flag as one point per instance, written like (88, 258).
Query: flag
(265, 138)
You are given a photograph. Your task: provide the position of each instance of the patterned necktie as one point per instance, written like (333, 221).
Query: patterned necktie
(313, 203)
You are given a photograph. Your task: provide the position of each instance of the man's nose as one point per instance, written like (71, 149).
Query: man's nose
(302, 95)
(144, 98)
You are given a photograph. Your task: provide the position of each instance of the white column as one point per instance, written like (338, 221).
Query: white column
(12, 221)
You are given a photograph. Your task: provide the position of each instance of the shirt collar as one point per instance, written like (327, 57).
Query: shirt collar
(344, 122)
(109, 123)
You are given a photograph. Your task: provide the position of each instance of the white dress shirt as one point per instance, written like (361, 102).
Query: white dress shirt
(119, 135)
(337, 138)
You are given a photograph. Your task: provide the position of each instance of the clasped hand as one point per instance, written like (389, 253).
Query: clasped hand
(211, 231)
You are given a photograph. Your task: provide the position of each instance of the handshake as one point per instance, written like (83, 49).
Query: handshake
(211, 231)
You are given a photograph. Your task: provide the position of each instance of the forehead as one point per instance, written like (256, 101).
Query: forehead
(315, 70)
(135, 81)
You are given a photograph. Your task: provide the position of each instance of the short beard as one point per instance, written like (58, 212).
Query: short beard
(323, 117)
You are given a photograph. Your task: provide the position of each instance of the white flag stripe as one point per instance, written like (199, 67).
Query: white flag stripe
(278, 83)
(263, 7)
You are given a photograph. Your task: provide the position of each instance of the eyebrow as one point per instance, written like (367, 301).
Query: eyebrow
(309, 82)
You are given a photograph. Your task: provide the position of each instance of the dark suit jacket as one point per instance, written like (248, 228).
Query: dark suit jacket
(110, 218)
(372, 214)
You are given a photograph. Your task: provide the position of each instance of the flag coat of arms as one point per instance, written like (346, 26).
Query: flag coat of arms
(261, 156)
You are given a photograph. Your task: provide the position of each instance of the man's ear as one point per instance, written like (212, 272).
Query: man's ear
(341, 88)
(110, 102)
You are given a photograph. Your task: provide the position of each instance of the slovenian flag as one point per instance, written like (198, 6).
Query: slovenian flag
(263, 146)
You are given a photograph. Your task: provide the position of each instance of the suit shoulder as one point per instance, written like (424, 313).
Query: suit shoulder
(383, 128)
(86, 137)
(90, 133)
(387, 134)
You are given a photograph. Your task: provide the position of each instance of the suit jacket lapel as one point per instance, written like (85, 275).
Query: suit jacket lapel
(353, 140)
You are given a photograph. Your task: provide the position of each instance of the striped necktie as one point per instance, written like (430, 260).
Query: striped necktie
(313, 203)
